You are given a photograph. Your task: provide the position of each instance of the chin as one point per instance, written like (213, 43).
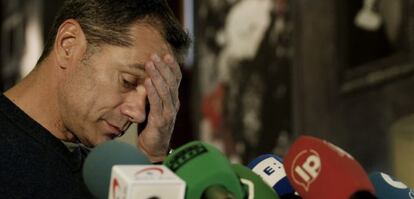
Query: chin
(92, 143)
(101, 140)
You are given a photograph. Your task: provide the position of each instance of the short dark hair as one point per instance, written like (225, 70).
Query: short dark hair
(108, 22)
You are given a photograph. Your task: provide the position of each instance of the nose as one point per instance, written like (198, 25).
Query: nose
(134, 103)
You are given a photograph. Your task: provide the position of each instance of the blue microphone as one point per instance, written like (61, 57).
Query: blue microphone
(270, 168)
(387, 187)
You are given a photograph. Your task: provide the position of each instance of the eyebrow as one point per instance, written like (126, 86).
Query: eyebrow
(138, 69)
(135, 66)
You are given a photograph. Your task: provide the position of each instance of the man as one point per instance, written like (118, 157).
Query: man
(103, 62)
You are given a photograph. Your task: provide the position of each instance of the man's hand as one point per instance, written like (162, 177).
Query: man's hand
(162, 89)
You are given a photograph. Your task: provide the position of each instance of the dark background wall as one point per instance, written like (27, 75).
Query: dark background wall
(353, 108)
(347, 83)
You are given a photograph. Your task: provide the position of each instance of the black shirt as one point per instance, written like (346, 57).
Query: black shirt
(34, 163)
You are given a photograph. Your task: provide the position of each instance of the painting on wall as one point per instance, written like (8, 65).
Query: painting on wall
(376, 42)
(244, 56)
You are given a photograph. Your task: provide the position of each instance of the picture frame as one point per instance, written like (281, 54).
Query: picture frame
(379, 51)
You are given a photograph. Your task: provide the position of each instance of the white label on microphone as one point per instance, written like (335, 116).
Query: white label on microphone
(271, 170)
(145, 181)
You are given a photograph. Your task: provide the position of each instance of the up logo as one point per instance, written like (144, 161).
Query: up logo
(306, 167)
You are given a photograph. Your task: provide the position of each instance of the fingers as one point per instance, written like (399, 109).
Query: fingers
(162, 86)
(169, 69)
(153, 97)
(171, 74)
(164, 76)
(174, 67)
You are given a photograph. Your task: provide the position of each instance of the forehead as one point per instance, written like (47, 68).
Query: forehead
(148, 39)
(145, 41)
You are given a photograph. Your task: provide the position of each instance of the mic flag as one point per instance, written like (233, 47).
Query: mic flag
(319, 169)
(145, 181)
(98, 164)
(201, 165)
(270, 168)
(254, 184)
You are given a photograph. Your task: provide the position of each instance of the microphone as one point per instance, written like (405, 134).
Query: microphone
(127, 173)
(145, 181)
(387, 186)
(98, 164)
(319, 169)
(270, 168)
(254, 185)
(202, 166)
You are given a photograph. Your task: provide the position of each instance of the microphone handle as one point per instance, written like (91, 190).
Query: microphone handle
(217, 192)
(363, 195)
(290, 196)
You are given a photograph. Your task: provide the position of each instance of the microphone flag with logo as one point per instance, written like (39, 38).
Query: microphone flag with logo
(201, 165)
(145, 181)
(98, 164)
(254, 185)
(270, 168)
(319, 169)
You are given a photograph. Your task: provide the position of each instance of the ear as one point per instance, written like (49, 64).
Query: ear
(70, 43)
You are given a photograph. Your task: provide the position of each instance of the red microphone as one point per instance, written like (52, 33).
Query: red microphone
(319, 169)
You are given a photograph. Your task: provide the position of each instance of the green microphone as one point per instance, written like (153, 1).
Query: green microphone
(217, 192)
(204, 167)
(254, 185)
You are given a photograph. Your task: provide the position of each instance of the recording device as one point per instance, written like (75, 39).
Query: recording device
(387, 186)
(254, 185)
(270, 168)
(202, 166)
(98, 164)
(319, 169)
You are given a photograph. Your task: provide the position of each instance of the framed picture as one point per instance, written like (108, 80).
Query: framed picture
(376, 39)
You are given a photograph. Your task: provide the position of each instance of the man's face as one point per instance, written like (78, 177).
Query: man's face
(102, 91)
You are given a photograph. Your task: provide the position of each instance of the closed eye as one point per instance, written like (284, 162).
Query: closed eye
(129, 84)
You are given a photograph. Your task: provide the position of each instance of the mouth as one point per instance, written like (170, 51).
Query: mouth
(114, 130)
(113, 127)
